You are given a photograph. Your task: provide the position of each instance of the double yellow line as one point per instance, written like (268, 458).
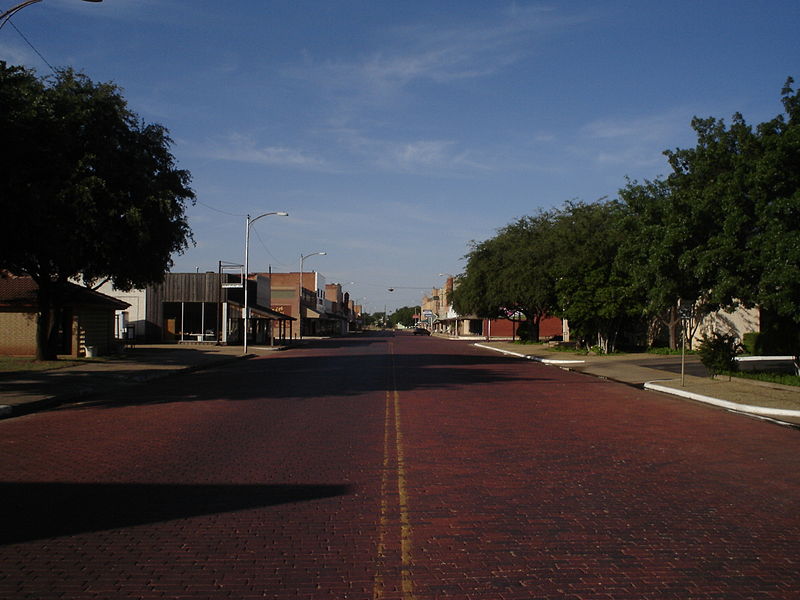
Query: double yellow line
(393, 481)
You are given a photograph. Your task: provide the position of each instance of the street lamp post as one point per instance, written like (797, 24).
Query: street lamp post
(455, 320)
(248, 223)
(300, 292)
(6, 16)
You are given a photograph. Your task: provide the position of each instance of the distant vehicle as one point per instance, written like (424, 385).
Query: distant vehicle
(421, 331)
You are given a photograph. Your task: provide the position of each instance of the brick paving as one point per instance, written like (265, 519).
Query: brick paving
(396, 467)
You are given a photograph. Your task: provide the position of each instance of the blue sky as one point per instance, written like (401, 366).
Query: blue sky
(396, 132)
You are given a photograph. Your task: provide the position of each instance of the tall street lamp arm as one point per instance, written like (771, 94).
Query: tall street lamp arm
(300, 293)
(4, 17)
(246, 273)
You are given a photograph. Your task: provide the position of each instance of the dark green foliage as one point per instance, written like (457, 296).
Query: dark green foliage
(403, 316)
(511, 273)
(89, 190)
(525, 332)
(592, 285)
(779, 336)
(751, 344)
(738, 192)
(718, 353)
(721, 231)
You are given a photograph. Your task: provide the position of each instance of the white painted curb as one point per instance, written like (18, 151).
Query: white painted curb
(747, 408)
(546, 361)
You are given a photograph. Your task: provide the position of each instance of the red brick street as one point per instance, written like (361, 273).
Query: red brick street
(396, 467)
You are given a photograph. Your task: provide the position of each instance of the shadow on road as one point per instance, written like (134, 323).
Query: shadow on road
(330, 370)
(33, 511)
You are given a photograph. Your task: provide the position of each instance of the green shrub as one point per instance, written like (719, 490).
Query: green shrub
(718, 353)
(774, 341)
(751, 343)
(525, 332)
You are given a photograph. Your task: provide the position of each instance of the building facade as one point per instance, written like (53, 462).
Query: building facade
(201, 308)
(84, 321)
(321, 309)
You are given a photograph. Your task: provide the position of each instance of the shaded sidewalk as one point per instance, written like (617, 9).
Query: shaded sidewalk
(662, 373)
(26, 392)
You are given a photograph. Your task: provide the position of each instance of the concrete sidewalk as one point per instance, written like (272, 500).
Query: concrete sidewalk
(26, 392)
(663, 374)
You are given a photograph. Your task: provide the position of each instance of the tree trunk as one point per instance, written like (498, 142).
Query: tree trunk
(534, 321)
(672, 326)
(45, 343)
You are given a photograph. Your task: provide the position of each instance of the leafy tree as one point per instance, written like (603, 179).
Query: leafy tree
(775, 240)
(712, 196)
(738, 192)
(90, 190)
(511, 273)
(375, 319)
(592, 283)
(403, 316)
(652, 247)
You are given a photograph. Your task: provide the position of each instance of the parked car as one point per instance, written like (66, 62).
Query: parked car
(421, 331)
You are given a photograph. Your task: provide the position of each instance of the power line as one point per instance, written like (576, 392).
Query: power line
(230, 214)
(27, 41)
(263, 245)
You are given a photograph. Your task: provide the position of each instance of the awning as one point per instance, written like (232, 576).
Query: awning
(261, 312)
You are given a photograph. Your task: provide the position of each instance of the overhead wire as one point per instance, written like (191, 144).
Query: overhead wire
(230, 214)
(263, 245)
(27, 41)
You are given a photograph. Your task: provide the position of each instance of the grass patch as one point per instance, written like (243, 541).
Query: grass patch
(782, 378)
(569, 349)
(669, 351)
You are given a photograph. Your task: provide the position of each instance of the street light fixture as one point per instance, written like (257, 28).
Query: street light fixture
(453, 277)
(246, 273)
(6, 16)
(300, 292)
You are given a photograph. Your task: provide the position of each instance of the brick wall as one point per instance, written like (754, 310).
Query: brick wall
(18, 333)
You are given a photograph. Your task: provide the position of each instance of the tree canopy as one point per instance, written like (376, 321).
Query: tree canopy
(722, 229)
(91, 191)
(403, 316)
(511, 273)
(739, 191)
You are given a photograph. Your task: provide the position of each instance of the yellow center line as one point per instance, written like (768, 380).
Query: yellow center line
(384, 519)
(405, 521)
(393, 455)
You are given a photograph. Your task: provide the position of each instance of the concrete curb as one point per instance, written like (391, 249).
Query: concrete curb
(771, 414)
(735, 406)
(17, 410)
(546, 361)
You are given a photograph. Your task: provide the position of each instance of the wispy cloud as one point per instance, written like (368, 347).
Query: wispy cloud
(18, 55)
(647, 127)
(436, 54)
(421, 156)
(241, 148)
(636, 141)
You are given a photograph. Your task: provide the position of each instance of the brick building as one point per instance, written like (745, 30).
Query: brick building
(85, 321)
